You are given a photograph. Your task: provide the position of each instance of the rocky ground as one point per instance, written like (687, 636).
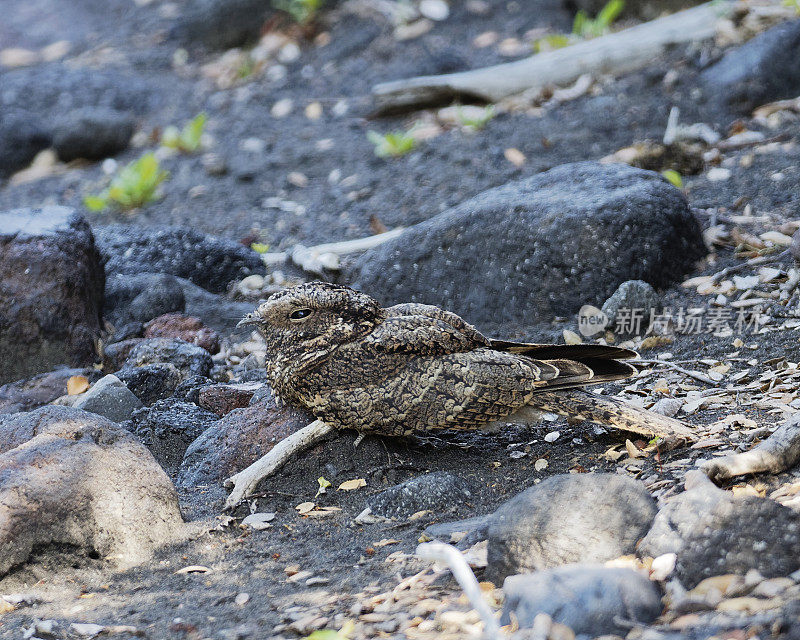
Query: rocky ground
(111, 470)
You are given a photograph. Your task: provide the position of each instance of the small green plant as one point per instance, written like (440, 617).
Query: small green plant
(134, 186)
(551, 42)
(473, 119)
(187, 139)
(674, 177)
(329, 634)
(586, 27)
(793, 4)
(393, 144)
(302, 11)
(259, 247)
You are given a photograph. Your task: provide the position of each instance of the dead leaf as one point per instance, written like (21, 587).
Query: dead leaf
(384, 542)
(77, 384)
(350, 485)
(304, 507)
(194, 568)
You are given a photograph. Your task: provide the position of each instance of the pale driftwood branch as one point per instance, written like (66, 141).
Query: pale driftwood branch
(452, 557)
(676, 367)
(777, 453)
(619, 52)
(325, 257)
(245, 482)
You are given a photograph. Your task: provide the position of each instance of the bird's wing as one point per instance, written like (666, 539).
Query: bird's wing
(423, 329)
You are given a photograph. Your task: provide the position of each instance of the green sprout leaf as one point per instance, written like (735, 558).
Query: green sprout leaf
(302, 11)
(135, 185)
(586, 27)
(188, 139)
(551, 42)
(393, 144)
(674, 177)
(329, 634)
(475, 121)
(259, 247)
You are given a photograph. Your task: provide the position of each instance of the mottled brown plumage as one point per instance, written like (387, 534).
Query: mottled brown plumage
(414, 367)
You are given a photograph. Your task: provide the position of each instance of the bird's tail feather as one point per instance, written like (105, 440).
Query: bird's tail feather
(610, 412)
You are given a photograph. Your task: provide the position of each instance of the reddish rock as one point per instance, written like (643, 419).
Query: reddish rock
(51, 291)
(224, 398)
(188, 328)
(238, 440)
(68, 477)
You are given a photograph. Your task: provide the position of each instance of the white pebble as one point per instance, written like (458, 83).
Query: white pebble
(718, 174)
(552, 436)
(663, 566)
(282, 108)
(242, 599)
(289, 52)
(540, 465)
(434, 9)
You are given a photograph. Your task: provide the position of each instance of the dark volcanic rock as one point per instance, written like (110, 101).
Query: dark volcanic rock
(22, 136)
(169, 427)
(92, 132)
(591, 517)
(714, 533)
(539, 247)
(237, 440)
(589, 599)
(759, 71)
(115, 354)
(187, 328)
(151, 382)
(140, 297)
(438, 492)
(189, 359)
(68, 477)
(633, 295)
(224, 398)
(51, 291)
(208, 261)
(32, 393)
(221, 24)
(214, 310)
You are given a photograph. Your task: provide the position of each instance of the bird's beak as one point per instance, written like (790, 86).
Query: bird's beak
(250, 318)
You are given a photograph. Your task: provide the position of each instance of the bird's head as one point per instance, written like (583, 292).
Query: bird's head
(312, 317)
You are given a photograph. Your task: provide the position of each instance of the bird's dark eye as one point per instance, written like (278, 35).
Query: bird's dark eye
(299, 314)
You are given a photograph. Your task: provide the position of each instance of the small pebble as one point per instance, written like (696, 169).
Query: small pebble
(242, 599)
(434, 9)
(282, 108)
(718, 174)
(552, 436)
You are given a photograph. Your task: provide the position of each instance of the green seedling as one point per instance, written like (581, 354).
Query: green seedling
(329, 634)
(134, 186)
(302, 11)
(674, 177)
(393, 144)
(188, 139)
(259, 247)
(793, 4)
(586, 27)
(475, 120)
(551, 42)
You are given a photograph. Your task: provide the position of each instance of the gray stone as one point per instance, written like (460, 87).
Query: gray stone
(68, 477)
(169, 427)
(51, 291)
(22, 136)
(214, 310)
(635, 295)
(539, 247)
(93, 133)
(110, 398)
(140, 297)
(438, 492)
(761, 70)
(590, 599)
(714, 533)
(587, 517)
(151, 382)
(208, 261)
(188, 359)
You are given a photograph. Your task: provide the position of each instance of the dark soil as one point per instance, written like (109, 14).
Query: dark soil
(134, 41)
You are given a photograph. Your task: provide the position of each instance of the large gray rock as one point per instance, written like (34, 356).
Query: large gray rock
(587, 517)
(68, 477)
(188, 359)
(208, 261)
(109, 398)
(714, 533)
(221, 24)
(590, 599)
(51, 291)
(92, 132)
(539, 247)
(214, 310)
(759, 71)
(438, 492)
